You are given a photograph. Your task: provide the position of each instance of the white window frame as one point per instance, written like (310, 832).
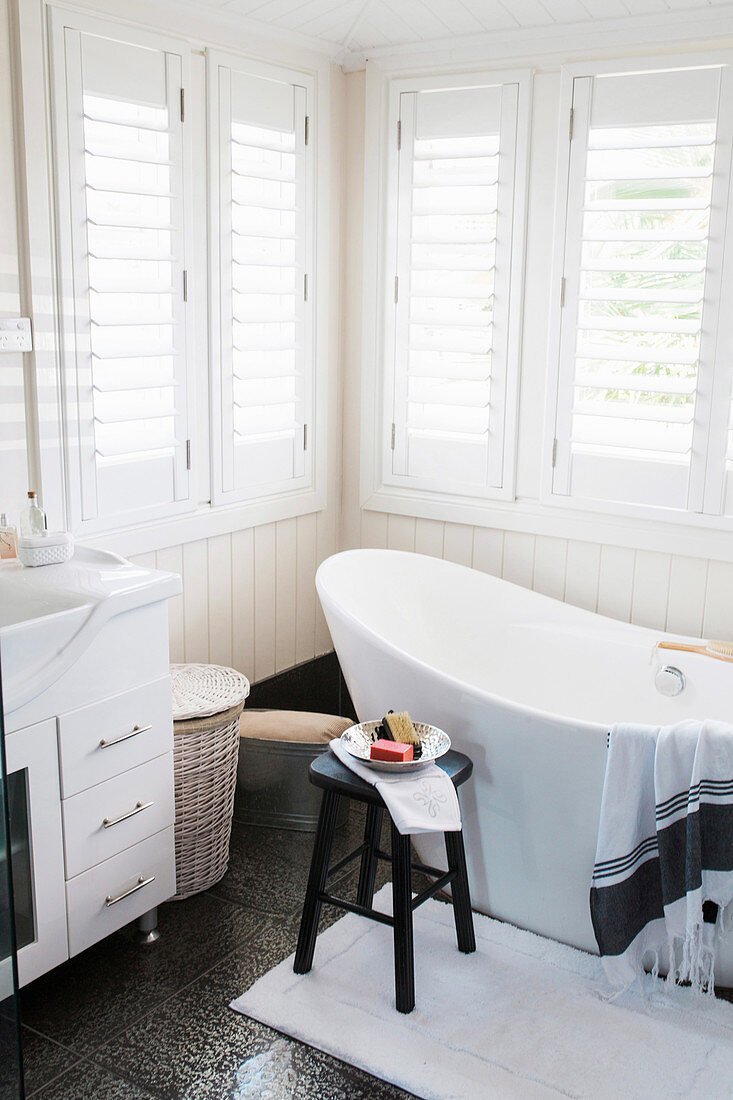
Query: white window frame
(720, 382)
(66, 174)
(32, 77)
(299, 496)
(380, 490)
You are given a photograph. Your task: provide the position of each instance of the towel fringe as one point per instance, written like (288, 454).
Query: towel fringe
(696, 965)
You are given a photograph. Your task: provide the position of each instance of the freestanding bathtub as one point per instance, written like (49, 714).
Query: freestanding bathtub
(526, 685)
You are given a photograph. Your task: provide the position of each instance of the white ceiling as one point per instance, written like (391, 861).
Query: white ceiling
(352, 28)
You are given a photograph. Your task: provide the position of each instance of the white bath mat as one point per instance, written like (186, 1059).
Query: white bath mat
(522, 1017)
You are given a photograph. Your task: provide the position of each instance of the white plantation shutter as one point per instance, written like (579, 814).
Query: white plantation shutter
(262, 282)
(120, 182)
(451, 354)
(640, 376)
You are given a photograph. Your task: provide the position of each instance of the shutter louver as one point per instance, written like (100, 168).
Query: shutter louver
(637, 355)
(454, 228)
(265, 386)
(127, 392)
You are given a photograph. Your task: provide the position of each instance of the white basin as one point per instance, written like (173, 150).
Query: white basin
(51, 614)
(21, 603)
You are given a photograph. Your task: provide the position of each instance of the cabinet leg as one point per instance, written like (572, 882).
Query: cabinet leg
(146, 928)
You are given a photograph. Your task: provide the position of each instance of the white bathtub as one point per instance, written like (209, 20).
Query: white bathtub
(528, 687)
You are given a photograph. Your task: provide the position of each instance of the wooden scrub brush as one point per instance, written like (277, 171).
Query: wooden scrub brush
(723, 651)
(399, 727)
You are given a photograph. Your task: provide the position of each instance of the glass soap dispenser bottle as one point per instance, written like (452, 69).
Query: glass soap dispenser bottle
(32, 518)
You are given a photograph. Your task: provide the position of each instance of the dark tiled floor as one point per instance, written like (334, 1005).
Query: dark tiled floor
(123, 1022)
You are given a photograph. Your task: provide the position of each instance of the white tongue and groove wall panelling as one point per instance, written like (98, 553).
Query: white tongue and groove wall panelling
(249, 598)
(663, 591)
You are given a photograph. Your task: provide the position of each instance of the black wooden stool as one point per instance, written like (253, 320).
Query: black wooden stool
(335, 779)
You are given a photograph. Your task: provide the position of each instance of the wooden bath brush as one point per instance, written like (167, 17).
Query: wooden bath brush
(722, 650)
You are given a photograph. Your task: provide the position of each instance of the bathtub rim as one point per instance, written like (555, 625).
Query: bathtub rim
(465, 685)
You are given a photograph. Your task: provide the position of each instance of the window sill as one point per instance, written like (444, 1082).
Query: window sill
(206, 522)
(695, 536)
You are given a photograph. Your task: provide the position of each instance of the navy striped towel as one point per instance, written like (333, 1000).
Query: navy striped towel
(665, 850)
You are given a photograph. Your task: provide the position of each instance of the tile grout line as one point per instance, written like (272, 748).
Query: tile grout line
(91, 1056)
(158, 1004)
(88, 1061)
(56, 1043)
(68, 1050)
(52, 1080)
(98, 1054)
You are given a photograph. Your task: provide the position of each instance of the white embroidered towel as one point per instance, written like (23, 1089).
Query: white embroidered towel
(420, 801)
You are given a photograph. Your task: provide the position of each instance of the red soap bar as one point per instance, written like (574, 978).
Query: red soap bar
(390, 750)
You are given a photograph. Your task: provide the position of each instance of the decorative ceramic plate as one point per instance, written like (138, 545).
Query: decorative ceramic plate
(359, 739)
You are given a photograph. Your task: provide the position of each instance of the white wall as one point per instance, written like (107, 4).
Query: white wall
(13, 475)
(248, 597)
(690, 595)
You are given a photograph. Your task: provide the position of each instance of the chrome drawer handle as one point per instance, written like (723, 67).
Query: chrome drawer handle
(104, 744)
(142, 881)
(138, 807)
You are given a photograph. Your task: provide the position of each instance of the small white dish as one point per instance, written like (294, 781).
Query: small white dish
(358, 740)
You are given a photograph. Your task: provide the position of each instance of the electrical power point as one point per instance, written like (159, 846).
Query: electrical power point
(15, 334)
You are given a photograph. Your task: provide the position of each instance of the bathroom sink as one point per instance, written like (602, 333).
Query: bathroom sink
(22, 603)
(51, 614)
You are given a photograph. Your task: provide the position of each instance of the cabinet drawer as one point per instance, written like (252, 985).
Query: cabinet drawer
(115, 892)
(108, 818)
(109, 737)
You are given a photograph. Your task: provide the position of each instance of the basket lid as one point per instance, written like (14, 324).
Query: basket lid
(202, 690)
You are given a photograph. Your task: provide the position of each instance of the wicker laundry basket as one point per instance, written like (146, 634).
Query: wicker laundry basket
(207, 703)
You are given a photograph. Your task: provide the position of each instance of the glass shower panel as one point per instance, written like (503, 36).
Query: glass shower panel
(15, 849)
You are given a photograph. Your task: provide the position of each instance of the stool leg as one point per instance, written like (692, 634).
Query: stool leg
(404, 963)
(316, 883)
(369, 861)
(460, 892)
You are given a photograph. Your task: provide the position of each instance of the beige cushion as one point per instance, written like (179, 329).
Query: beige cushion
(292, 725)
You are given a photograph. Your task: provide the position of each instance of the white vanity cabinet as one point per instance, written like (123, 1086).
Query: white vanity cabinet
(89, 756)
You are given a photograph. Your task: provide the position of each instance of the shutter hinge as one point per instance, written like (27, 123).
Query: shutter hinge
(396, 288)
(305, 437)
(554, 453)
(393, 436)
(185, 285)
(305, 288)
(570, 124)
(188, 454)
(562, 292)
(183, 104)
(399, 135)
(306, 129)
